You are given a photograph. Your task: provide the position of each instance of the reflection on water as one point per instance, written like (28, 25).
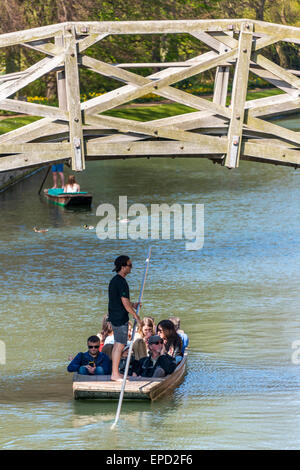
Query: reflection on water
(237, 298)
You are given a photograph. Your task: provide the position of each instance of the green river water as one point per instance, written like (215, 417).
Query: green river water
(238, 299)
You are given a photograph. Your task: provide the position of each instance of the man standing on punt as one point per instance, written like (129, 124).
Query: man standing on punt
(119, 306)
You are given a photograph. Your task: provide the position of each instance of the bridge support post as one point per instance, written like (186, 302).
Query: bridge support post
(73, 99)
(239, 93)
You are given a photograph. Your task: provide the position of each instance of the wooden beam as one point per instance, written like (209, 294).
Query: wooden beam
(271, 153)
(116, 98)
(73, 99)
(276, 70)
(40, 69)
(272, 129)
(28, 160)
(89, 41)
(206, 145)
(273, 79)
(33, 109)
(239, 97)
(221, 82)
(272, 105)
(29, 35)
(125, 125)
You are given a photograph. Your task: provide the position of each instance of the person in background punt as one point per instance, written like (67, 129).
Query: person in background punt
(92, 362)
(157, 363)
(144, 331)
(172, 341)
(123, 360)
(184, 337)
(71, 186)
(58, 168)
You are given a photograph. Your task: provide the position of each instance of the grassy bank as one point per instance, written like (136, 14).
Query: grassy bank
(139, 113)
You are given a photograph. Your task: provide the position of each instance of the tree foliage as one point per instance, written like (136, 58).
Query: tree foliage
(23, 14)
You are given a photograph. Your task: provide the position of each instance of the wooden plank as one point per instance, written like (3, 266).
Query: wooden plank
(89, 41)
(29, 35)
(33, 131)
(113, 98)
(209, 40)
(45, 47)
(273, 79)
(40, 69)
(264, 27)
(206, 145)
(272, 105)
(267, 41)
(12, 76)
(271, 153)
(221, 82)
(225, 38)
(160, 26)
(23, 131)
(33, 109)
(162, 65)
(239, 97)
(6, 148)
(117, 98)
(73, 99)
(13, 162)
(61, 80)
(272, 129)
(277, 70)
(125, 125)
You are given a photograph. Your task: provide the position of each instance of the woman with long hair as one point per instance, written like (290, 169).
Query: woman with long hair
(106, 335)
(145, 330)
(71, 186)
(172, 341)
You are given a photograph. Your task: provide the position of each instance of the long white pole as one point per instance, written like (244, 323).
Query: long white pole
(131, 342)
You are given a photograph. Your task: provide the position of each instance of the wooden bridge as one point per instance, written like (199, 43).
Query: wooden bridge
(224, 133)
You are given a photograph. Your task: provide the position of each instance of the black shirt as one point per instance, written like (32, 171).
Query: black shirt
(146, 368)
(117, 313)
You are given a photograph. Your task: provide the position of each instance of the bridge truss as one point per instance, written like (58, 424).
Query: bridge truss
(226, 128)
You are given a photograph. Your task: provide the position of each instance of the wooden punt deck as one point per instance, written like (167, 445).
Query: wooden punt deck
(137, 388)
(70, 199)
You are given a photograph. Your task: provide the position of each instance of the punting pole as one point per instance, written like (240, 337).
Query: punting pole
(131, 342)
(47, 173)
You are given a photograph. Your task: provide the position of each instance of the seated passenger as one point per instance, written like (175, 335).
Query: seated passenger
(106, 336)
(184, 337)
(140, 344)
(123, 360)
(157, 363)
(92, 362)
(71, 186)
(172, 341)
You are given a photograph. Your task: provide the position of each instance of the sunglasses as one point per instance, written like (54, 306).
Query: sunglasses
(157, 342)
(129, 265)
(94, 347)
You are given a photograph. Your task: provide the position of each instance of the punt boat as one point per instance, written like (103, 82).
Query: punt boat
(136, 388)
(57, 196)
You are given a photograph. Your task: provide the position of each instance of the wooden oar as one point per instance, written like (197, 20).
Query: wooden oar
(44, 180)
(131, 342)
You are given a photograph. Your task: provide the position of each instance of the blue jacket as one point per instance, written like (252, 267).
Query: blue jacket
(185, 341)
(83, 359)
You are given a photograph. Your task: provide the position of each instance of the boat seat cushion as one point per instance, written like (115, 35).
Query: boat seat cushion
(58, 191)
